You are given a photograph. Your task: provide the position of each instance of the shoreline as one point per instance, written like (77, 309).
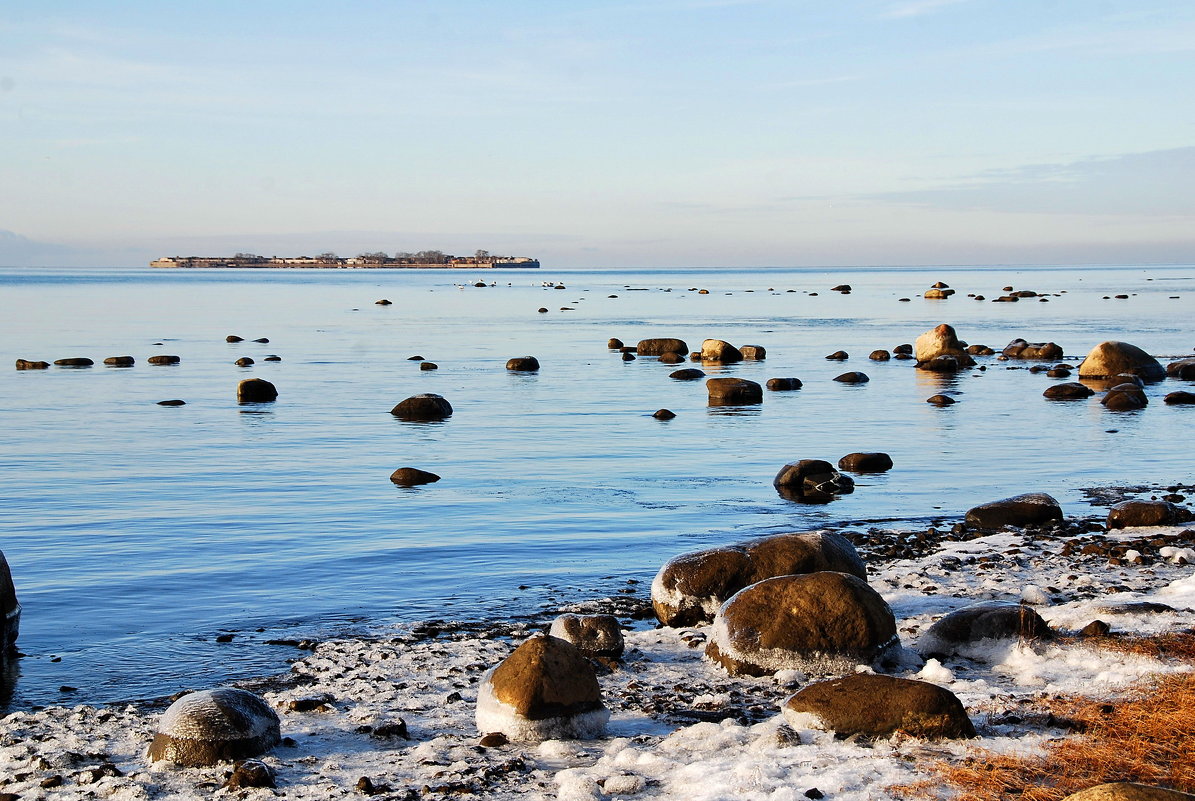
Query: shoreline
(675, 715)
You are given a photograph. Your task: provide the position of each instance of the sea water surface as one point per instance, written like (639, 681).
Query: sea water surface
(137, 534)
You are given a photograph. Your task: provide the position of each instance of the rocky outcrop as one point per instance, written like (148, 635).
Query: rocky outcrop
(256, 390)
(412, 477)
(593, 635)
(212, 726)
(690, 588)
(546, 689)
(784, 384)
(865, 462)
(717, 350)
(1070, 390)
(878, 706)
(733, 392)
(1020, 349)
(10, 612)
(819, 623)
(1125, 397)
(1130, 514)
(423, 408)
(811, 481)
(1110, 359)
(523, 364)
(1030, 509)
(655, 347)
(988, 620)
(938, 342)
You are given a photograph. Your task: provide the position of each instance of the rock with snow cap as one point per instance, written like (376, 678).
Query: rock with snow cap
(212, 726)
(821, 623)
(545, 690)
(690, 588)
(593, 635)
(877, 706)
(1029, 509)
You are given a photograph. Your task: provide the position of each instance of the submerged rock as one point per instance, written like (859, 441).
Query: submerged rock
(163, 358)
(523, 364)
(1070, 390)
(733, 392)
(426, 407)
(688, 374)
(818, 622)
(256, 390)
(753, 353)
(1125, 397)
(78, 361)
(545, 690)
(865, 462)
(853, 377)
(784, 384)
(878, 706)
(412, 477)
(212, 726)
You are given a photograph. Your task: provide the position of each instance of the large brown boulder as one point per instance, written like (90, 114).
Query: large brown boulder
(426, 407)
(877, 706)
(593, 635)
(690, 588)
(1109, 359)
(1128, 791)
(941, 341)
(256, 390)
(733, 392)
(10, 611)
(656, 347)
(211, 726)
(811, 481)
(1183, 369)
(717, 350)
(1130, 514)
(987, 620)
(1030, 509)
(546, 689)
(819, 623)
(1179, 398)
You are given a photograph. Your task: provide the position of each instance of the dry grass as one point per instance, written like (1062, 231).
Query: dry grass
(1176, 645)
(1147, 737)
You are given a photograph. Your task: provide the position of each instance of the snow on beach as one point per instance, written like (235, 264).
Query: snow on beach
(393, 716)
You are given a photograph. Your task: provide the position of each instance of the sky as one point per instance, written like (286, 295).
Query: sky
(629, 133)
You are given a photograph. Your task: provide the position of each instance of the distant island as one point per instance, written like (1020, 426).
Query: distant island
(423, 260)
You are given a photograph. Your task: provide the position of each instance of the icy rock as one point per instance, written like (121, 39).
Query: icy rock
(820, 622)
(545, 690)
(593, 635)
(211, 726)
(988, 620)
(877, 706)
(690, 588)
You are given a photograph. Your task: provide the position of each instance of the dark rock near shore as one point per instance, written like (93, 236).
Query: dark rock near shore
(1179, 398)
(78, 361)
(120, 361)
(811, 481)
(425, 365)
(1125, 397)
(262, 340)
(672, 358)
(904, 348)
(244, 361)
(250, 773)
(941, 400)
(879, 356)
(654, 347)
(1109, 359)
(1130, 514)
(212, 726)
(691, 587)
(10, 613)
(1020, 349)
(614, 343)
(1071, 390)
(733, 392)
(425, 407)
(664, 414)
(162, 358)
(256, 390)
(233, 338)
(877, 706)
(523, 364)
(865, 462)
(1030, 509)
(853, 377)
(26, 364)
(272, 358)
(1183, 369)
(628, 357)
(593, 635)
(988, 620)
(753, 353)
(838, 356)
(173, 402)
(818, 622)
(784, 384)
(412, 477)
(688, 374)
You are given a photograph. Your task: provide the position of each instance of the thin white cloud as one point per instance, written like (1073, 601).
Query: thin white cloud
(919, 8)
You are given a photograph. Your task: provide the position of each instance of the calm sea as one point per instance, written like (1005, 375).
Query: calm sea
(137, 534)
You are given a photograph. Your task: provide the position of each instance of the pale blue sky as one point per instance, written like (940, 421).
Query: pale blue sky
(592, 134)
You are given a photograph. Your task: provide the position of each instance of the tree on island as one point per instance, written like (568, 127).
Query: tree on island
(482, 255)
(328, 256)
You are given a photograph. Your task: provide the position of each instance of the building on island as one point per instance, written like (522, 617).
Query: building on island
(328, 261)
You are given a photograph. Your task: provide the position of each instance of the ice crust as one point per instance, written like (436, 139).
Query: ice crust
(644, 753)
